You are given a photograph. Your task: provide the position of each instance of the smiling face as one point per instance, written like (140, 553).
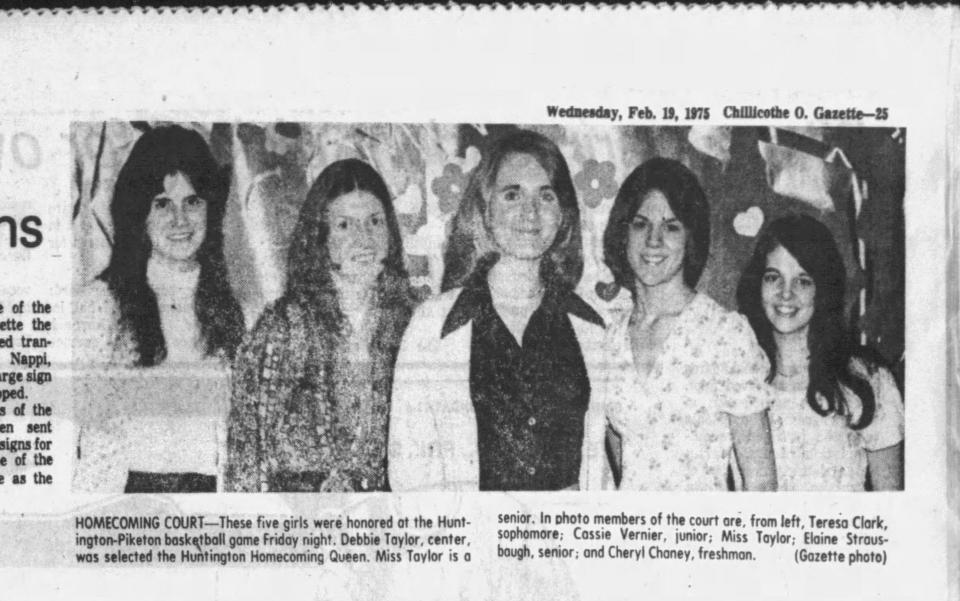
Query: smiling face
(524, 212)
(787, 292)
(656, 241)
(177, 222)
(359, 239)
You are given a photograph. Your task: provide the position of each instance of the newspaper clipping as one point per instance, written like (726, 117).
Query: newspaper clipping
(480, 304)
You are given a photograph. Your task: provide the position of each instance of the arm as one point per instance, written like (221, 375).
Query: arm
(754, 450)
(102, 462)
(594, 469)
(411, 441)
(256, 380)
(883, 437)
(886, 468)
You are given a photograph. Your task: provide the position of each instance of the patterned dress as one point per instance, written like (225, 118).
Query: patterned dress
(822, 453)
(673, 424)
(306, 421)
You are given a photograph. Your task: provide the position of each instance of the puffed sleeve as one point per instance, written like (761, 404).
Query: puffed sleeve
(886, 428)
(742, 368)
(258, 386)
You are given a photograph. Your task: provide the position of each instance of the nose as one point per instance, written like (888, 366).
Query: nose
(655, 236)
(365, 232)
(179, 215)
(530, 208)
(786, 291)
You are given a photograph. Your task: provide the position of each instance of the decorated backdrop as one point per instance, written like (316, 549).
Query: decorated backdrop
(850, 178)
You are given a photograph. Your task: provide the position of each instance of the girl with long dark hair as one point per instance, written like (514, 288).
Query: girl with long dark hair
(837, 414)
(163, 300)
(312, 382)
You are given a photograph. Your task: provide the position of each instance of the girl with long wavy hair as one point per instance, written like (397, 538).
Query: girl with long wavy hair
(162, 306)
(312, 382)
(837, 418)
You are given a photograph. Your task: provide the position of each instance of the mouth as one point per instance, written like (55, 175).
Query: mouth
(363, 257)
(652, 260)
(785, 311)
(528, 231)
(180, 236)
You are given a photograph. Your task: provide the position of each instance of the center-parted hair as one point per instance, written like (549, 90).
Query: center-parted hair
(156, 154)
(309, 267)
(688, 202)
(310, 283)
(471, 241)
(830, 341)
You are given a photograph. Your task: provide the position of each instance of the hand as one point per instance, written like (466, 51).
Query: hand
(337, 481)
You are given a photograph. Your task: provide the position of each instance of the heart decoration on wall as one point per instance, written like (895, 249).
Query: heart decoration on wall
(748, 223)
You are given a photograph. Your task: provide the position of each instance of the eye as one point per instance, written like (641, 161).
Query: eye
(639, 224)
(341, 224)
(770, 277)
(195, 201)
(805, 281)
(674, 227)
(161, 202)
(511, 195)
(377, 220)
(548, 196)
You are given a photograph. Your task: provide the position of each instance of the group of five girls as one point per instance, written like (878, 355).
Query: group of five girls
(507, 380)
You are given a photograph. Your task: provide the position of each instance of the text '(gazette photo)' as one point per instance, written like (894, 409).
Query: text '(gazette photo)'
(349, 307)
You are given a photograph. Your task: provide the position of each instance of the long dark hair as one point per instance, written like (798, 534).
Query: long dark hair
(831, 343)
(471, 243)
(156, 154)
(310, 284)
(688, 202)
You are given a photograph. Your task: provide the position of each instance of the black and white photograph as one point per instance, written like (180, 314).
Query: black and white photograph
(351, 307)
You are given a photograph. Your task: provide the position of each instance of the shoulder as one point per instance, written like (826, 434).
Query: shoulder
(438, 306)
(278, 322)
(94, 300)
(868, 365)
(96, 327)
(429, 316)
(723, 322)
(281, 315)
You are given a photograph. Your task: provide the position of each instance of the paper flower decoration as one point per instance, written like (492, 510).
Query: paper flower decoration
(595, 182)
(449, 187)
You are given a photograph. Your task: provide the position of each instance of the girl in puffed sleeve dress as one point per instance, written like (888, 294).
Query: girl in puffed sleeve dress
(837, 417)
(684, 390)
(674, 422)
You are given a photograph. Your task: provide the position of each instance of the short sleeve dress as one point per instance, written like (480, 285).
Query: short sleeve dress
(673, 424)
(822, 453)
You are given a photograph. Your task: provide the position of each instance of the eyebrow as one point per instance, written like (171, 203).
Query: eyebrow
(165, 196)
(517, 187)
(671, 220)
(379, 213)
